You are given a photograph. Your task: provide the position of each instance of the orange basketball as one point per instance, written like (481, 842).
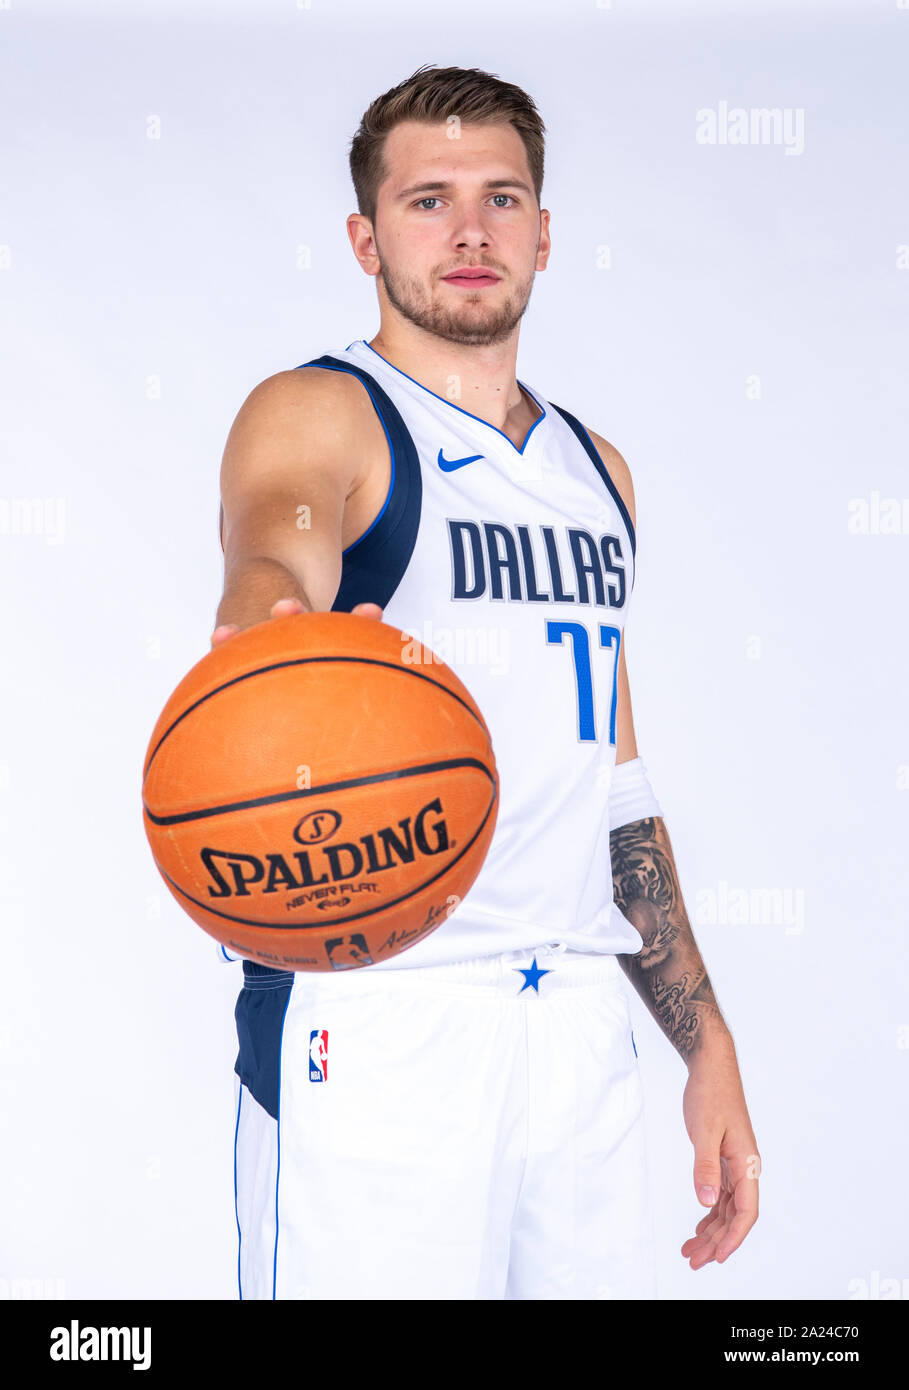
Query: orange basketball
(320, 792)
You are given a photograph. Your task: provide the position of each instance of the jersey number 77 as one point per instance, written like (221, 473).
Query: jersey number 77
(610, 637)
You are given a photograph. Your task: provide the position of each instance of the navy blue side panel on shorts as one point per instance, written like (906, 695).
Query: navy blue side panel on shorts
(372, 568)
(598, 464)
(259, 1013)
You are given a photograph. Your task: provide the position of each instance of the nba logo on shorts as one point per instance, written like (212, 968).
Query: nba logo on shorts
(318, 1055)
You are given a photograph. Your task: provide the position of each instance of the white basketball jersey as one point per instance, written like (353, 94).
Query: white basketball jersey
(515, 566)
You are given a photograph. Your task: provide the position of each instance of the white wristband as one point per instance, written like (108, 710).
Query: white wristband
(631, 795)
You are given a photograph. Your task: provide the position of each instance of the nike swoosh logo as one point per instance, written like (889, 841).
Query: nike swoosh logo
(449, 465)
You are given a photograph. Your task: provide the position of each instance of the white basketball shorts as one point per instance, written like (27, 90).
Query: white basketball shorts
(464, 1131)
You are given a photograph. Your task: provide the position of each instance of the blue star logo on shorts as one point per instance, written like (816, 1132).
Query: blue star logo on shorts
(532, 977)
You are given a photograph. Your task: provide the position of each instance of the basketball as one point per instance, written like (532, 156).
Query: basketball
(320, 792)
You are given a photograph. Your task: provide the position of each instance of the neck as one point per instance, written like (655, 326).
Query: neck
(481, 380)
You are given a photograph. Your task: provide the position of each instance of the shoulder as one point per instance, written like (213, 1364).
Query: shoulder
(304, 415)
(318, 395)
(307, 423)
(618, 471)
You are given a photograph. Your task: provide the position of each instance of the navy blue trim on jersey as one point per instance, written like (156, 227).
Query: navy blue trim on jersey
(514, 446)
(600, 466)
(373, 566)
(259, 1014)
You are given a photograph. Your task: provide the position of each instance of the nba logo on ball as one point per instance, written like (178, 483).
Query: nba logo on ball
(318, 1055)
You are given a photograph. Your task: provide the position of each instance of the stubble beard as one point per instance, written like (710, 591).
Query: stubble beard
(466, 325)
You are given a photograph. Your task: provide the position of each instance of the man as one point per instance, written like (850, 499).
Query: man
(469, 1124)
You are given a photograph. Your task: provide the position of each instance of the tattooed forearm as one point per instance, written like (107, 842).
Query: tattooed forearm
(669, 973)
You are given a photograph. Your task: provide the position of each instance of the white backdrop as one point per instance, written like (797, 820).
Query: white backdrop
(731, 316)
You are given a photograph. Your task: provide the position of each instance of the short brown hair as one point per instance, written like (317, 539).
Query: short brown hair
(433, 94)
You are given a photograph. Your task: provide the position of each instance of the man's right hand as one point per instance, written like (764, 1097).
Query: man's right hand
(283, 609)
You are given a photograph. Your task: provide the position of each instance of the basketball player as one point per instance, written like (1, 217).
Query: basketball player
(464, 1120)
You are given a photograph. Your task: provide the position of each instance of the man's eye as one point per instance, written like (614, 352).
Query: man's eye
(506, 197)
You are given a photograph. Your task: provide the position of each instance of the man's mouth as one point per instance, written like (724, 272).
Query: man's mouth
(472, 278)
